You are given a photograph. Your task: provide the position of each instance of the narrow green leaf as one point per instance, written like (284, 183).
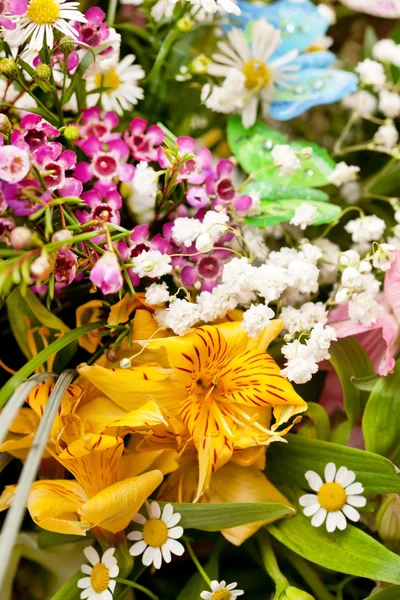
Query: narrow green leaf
(381, 423)
(48, 539)
(283, 211)
(350, 551)
(320, 418)
(196, 584)
(287, 463)
(365, 384)
(214, 517)
(349, 359)
(80, 71)
(341, 433)
(391, 593)
(69, 590)
(40, 358)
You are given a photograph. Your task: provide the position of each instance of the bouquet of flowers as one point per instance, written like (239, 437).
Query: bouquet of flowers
(200, 256)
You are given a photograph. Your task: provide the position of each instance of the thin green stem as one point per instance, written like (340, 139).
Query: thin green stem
(137, 586)
(198, 565)
(336, 222)
(112, 9)
(270, 563)
(345, 131)
(307, 573)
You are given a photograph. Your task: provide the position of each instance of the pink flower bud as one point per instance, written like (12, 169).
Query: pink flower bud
(20, 238)
(60, 236)
(106, 274)
(40, 268)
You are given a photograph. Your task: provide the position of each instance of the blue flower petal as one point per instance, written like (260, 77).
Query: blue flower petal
(300, 22)
(314, 60)
(312, 87)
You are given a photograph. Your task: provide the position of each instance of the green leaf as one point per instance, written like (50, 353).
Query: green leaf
(349, 359)
(341, 434)
(287, 463)
(366, 384)
(268, 190)
(283, 211)
(196, 584)
(370, 39)
(320, 418)
(214, 517)
(350, 551)
(381, 423)
(35, 362)
(391, 593)
(48, 539)
(80, 71)
(69, 590)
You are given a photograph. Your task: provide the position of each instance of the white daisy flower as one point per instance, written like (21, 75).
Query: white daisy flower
(335, 499)
(100, 583)
(221, 591)
(121, 80)
(41, 17)
(255, 75)
(158, 538)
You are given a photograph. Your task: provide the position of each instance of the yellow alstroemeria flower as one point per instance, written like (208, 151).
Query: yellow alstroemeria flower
(221, 385)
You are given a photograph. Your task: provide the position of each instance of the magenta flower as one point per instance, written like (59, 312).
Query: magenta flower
(106, 163)
(34, 133)
(220, 185)
(197, 197)
(65, 266)
(54, 165)
(95, 31)
(98, 125)
(205, 269)
(106, 274)
(143, 144)
(15, 164)
(196, 169)
(6, 226)
(22, 205)
(139, 242)
(104, 203)
(9, 8)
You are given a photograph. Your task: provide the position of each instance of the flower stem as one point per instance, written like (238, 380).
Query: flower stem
(137, 586)
(271, 564)
(307, 573)
(198, 565)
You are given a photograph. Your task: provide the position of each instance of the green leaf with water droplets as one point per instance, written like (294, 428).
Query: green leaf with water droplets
(283, 211)
(268, 190)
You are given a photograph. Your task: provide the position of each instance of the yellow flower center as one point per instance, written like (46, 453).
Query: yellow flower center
(108, 80)
(43, 11)
(257, 74)
(332, 496)
(155, 533)
(221, 595)
(99, 578)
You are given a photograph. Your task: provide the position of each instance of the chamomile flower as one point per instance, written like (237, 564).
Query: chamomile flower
(158, 538)
(222, 591)
(121, 81)
(335, 499)
(100, 581)
(39, 21)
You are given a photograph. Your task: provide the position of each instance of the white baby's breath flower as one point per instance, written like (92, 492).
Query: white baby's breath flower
(335, 498)
(285, 159)
(100, 577)
(362, 101)
(386, 136)
(157, 293)
(151, 263)
(181, 315)
(303, 215)
(256, 319)
(389, 104)
(371, 73)
(343, 173)
(158, 538)
(364, 309)
(384, 257)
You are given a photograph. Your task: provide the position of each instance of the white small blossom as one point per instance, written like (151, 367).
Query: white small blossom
(215, 223)
(328, 264)
(389, 104)
(386, 51)
(270, 281)
(351, 192)
(366, 229)
(255, 241)
(204, 242)
(343, 173)
(222, 590)
(181, 315)
(305, 317)
(142, 198)
(349, 258)
(303, 276)
(285, 158)
(371, 73)
(304, 215)
(320, 340)
(351, 278)
(371, 284)
(327, 12)
(216, 304)
(186, 230)
(256, 319)
(362, 101)
(151, 263)
(384, 257)
(157, 293)
(364, 309)
(300, 369)
(386, 136)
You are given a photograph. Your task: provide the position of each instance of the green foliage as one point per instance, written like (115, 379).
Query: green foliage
(283, 211)
(196, 584)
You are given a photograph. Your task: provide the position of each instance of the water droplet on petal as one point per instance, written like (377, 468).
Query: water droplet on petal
(319, 84)
(290, 28)
(310, 173)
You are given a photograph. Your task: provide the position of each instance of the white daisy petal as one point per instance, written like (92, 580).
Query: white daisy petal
(86, 569)
(341, 475)
(310, 510)
(138, 518)
(348, 479)
(167, 513)
(206, 595)
(359, 501)
(113, 571)
(331, 521)
(135, 535)
(83, 583)
(175, 547)
(148, 556)
(354, 488)
(86, 593)
(307, 499)
(351, 513)
(91, 555)
(166, 553)
(174, 520)
(341, 522)
(314, 480)
(108, 557)
(319, 517)
(157, 558)
(106, 595)
(155, 510)
(138, 548)
(112, 585)
(330, 472)
(216, 586)
(176, 532)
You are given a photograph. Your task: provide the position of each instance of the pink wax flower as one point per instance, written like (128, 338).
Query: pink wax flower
(197, 197)
(205, 269)
(106, 164)
(9, 8)
(106, 274)
(54, 165)
(139, 242)
(220, 185)
(21, 204)
(196, 169)
(58, 55)
(34, 132)
(65, 266)
(144, 144)
(104, 203)
(6, 226)
(15, 164)
(95, 31)
(97, 125)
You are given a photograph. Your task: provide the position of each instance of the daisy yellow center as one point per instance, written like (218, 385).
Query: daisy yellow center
(257, 74)
(43, 12)
(155, 533)
(332, 496)
(221, 595)
(99, 578)
(108, 80)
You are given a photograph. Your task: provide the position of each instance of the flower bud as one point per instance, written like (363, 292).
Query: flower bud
(43, 72)
(60, 236)
(40, 268)
(185, 24)
(306, 152)
(8, 68)
(293, 593)
(308, 430)
(106, 274)
(125, 363)
(5, 125)
(67, 46)
(199, 65)
(71, 132)
(388, 521)
(20, 238)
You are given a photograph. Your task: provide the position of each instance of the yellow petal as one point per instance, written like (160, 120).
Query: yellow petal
(145, 417)
(131, 388)
(7, 496)
(19, 447)
(114, 507)
(267, 336)
(25, 422)
(131, 465)
(122, 310)
(54, 505)
(91, 312)
(233, 483)
(98, 412)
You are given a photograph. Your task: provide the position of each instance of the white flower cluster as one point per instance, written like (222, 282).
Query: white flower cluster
(204, 233)
(304, 318)
(285, 159)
